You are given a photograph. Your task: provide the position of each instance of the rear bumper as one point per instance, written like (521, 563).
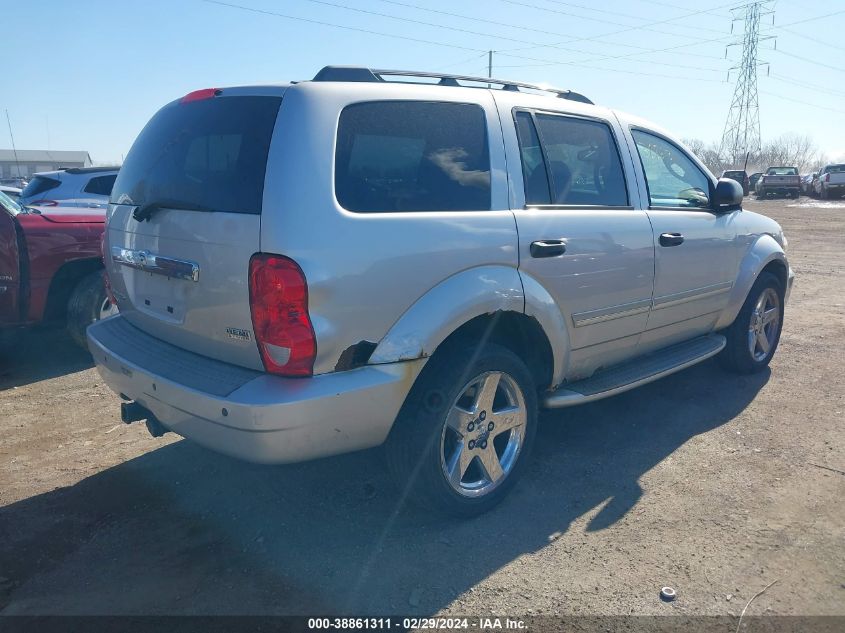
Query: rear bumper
(778, 189)
(264, 418)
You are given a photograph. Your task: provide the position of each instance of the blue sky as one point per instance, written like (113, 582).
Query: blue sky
(89, 74)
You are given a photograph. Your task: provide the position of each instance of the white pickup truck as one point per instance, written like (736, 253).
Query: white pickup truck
(779, 180)
(830, 182)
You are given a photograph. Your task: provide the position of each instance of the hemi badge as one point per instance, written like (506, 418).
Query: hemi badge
(237, 333)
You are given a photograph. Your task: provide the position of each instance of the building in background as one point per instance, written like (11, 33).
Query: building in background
(30, 161)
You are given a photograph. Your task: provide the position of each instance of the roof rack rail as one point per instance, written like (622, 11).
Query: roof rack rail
(361, 74)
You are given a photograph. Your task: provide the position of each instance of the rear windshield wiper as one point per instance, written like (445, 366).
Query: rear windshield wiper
(145, 211)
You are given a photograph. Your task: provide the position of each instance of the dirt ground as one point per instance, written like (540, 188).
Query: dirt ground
(712, 484)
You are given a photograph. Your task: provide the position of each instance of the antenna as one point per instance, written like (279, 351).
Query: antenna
(14, 149)
(742, 128)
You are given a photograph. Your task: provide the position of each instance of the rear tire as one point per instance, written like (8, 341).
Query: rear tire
(88, 303)
(465, 432)
(753, 337)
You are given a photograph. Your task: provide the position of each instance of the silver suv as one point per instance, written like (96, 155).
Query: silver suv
(418, 260)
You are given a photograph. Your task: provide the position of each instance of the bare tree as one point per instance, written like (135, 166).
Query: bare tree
(793, 150)
(707, 154)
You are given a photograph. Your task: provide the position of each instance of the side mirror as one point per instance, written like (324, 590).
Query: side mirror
(728, 195)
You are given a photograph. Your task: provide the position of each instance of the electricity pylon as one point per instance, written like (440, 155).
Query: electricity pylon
(742, 128)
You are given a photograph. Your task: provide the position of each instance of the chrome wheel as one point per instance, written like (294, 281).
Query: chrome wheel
(483, 434)
(764, 325)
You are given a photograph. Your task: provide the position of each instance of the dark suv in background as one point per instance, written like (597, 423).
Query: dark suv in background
(741, 177)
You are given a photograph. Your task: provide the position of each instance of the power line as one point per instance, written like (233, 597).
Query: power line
(342, 26)
(550, 62)
(812, 39)
(628, 15)
(628, 27)
(810, 61)
(432, 24)
(807, 85)
(596, 38)
(806, 103)
(451, 28)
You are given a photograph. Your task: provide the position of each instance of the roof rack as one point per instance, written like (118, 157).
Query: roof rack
(361, 74)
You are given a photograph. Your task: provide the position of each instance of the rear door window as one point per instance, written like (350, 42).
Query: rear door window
(100, 185)
(209, 154)
(580, 159)
(412, 156)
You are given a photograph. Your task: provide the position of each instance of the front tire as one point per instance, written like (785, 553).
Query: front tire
(88, 303)
(465, 432)
(753, 337)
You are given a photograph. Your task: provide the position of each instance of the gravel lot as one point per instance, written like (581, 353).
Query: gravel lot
(713, 484)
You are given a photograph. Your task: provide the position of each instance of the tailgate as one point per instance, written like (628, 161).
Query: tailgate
(185, 219)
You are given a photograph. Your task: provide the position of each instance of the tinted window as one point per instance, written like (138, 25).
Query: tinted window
(39, 184)
(782, 171)
(673, 179)
(100, 185)
(534, 175)
(583, 161)
(835, 169)
(412, 156)
(207, 154)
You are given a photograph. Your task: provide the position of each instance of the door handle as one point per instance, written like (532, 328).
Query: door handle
(671, 239)
(548, 248)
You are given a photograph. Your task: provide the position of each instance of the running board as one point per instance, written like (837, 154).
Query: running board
(639, 371)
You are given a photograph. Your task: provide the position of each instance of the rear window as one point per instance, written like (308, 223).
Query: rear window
(782, 171)
(38, 185)
(100, 185)
(412, 156)
(836, 169)
(207, 155)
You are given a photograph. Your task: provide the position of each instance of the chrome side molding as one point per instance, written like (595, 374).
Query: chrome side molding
(156, 264)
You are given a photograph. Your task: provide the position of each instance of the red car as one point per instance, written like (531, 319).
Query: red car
(51, 267)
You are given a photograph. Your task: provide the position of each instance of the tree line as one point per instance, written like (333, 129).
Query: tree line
(791, 150)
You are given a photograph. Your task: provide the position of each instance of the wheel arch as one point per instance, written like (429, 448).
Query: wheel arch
(766, 255)
(494, 303)
(64, 283)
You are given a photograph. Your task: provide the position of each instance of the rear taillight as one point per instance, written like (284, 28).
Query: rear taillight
(278, 300)
(106, 280)
(827, 177)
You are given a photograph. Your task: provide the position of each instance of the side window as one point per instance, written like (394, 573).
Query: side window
(534, 175)
(673, 179)
(412, 156)
(100, 185)
(583, 161)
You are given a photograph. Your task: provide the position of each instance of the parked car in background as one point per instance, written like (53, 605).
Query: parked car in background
(76, 187)
(752, 180)
(830, 182)
(272, 307)
(13, 192)
(807, 184)
(740, 176)
(15, 181)
(51, 267)
(783, 181)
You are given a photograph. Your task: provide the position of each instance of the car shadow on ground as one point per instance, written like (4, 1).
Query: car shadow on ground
(182, 530)
(28, 356)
